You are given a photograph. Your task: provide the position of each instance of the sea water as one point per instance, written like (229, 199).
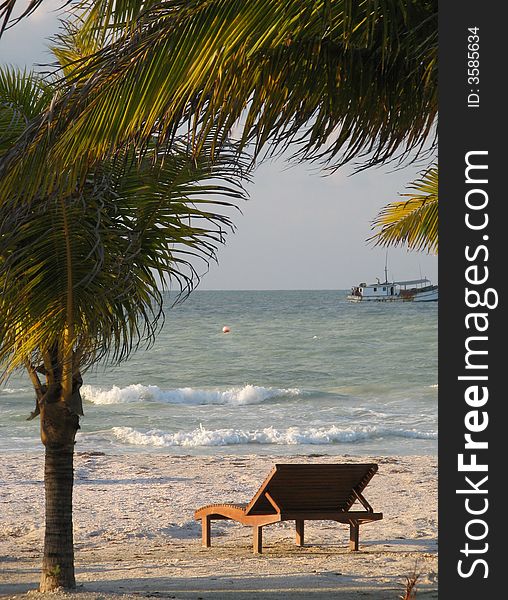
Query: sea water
(299, 372)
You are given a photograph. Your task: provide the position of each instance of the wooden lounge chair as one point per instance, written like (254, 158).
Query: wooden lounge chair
(300, 492)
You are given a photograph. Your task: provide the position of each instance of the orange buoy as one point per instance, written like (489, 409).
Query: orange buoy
(225, 329)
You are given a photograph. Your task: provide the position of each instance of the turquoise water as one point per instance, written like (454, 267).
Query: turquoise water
(299, 372)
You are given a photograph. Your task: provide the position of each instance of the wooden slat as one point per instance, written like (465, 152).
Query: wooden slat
(272, 502)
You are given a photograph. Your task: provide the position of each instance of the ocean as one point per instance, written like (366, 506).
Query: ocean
(300, 372)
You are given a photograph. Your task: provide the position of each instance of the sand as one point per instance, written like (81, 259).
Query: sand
(135, 535)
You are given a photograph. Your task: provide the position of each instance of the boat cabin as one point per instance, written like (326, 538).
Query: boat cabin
(376, 290)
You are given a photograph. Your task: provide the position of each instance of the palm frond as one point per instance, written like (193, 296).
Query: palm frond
(101, 22)
(341, 81)
(23, 96)
(413, 222)
(84, 271)
(132, 227)
(7, 8)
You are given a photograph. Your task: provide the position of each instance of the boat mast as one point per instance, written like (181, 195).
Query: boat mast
(386, 267)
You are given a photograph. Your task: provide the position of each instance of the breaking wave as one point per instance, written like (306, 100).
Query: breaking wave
(293, 436)
(236, 396)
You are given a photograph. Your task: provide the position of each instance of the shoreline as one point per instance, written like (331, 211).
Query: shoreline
(135, 534)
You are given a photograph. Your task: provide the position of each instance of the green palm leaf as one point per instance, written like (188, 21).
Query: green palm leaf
(83, 271)
(413, 222)
(22, 98)
(341, 81)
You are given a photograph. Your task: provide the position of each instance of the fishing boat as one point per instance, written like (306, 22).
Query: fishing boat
(412, 290)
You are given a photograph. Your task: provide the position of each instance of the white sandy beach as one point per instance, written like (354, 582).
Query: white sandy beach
(135, 535)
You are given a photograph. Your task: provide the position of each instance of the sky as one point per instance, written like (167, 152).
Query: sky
(299, 229)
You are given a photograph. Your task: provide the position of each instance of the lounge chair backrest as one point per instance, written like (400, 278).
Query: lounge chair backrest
(311, 487)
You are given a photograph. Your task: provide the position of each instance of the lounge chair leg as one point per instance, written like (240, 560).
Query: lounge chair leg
(257, 539)
(299, 532)
(206, 531)
(354, 535)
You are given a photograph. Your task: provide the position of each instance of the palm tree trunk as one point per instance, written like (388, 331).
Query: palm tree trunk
(58, 430)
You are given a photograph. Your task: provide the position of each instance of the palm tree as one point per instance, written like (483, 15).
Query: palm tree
(79, 279)
(412, 222)
(341, 81)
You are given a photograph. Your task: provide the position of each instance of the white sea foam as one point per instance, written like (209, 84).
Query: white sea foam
(13, 390)
(293, 436)
(236, 396)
